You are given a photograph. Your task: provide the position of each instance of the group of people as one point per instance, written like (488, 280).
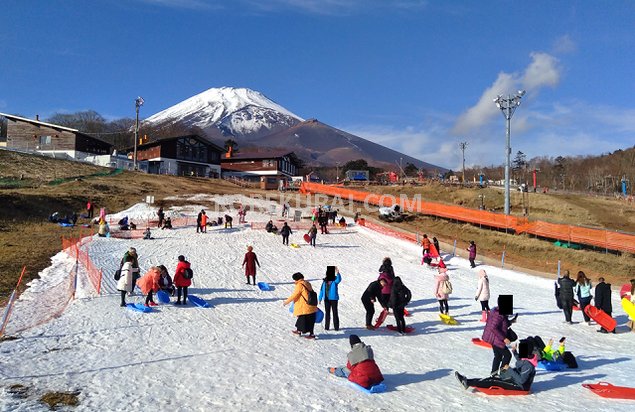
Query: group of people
(202, 221)
(155, 279)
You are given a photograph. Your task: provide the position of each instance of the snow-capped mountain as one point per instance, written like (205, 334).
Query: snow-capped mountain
(239, 112)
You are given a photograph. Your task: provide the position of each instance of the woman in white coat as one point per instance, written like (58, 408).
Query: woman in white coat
(482, 294)
(124, 284)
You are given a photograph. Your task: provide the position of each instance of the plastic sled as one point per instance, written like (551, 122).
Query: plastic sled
(409, 329)
(606, 390)
(264, 286)
(575, 307)
(319, 316)
(294, 245)
(551, 365)
(601, 318)
(497, 390)
(626, 289)
(448, 320)
(139, 307)
(482, 343)
(406, 313)
(196, 301)
(163, 297)
(66, 224)
(382, 317)
(379, 388)
(307, 238)
(628, 307)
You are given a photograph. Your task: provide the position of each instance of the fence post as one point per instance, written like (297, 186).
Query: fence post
(9, 308)
(558, 267)
(503, 260)
(101, 275)
(454, 250)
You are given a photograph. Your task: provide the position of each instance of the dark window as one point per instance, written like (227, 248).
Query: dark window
(4, 125)
(188, 148)
(45, 140)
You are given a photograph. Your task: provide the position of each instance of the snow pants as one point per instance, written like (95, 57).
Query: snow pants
(331, 306)
(370, 311)
(502, 356)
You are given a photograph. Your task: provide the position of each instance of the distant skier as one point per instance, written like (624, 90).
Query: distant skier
(285, 232)
(249, 263)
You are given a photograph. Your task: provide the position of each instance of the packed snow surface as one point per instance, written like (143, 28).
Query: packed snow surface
(240, 354)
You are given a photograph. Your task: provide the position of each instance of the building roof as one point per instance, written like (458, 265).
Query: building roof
(260, 155)
(160, 140)
(52, 126)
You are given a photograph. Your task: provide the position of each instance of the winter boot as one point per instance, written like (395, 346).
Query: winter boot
(484, 316)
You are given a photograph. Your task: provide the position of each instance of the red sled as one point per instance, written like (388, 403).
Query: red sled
(382, 317)
(480, 342)
(575, 307)
(602, 319)
(497, 390)
(406, 313)
(409, 329)
(606, 390)
(307, 238)
(626, 290)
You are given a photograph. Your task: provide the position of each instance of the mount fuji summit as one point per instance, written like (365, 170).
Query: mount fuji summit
(253, 120)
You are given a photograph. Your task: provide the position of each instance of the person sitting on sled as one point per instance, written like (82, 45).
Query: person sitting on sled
(518, 378)
(361, 368)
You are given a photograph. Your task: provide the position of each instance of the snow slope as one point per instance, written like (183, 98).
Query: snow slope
(240, 354)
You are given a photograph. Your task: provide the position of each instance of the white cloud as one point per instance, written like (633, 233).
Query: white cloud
(564, 45)
(541, 72)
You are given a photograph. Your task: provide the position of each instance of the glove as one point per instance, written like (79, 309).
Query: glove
(476, 298)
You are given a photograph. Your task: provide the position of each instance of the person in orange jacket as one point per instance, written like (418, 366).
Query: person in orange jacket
(301, 307)
(204, 222)
(149, 283)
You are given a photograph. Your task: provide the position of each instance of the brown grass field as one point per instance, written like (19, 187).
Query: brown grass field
(27, 197)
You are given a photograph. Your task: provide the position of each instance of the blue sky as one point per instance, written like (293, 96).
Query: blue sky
(417, 76)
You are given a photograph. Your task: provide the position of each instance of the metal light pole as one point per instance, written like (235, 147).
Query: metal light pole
(463, 145)
(337, 171)
(138, 103)
(508, 106)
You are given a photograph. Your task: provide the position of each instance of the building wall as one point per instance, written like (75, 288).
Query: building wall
(248, 166)
(149, 153)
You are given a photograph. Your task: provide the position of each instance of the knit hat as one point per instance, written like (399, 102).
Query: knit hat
(354, 339)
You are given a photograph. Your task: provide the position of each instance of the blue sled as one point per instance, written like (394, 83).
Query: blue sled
(139, 307)
(163, 297)
(201, 303)
(379, 388)
(551, 366)
(319, 315)
(264, 286)
(66, 224)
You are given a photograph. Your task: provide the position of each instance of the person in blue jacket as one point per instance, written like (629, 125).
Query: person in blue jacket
(329, 293)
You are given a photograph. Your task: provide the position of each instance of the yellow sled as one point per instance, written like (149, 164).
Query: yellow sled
(448, 320)
(295, 245)
(628, 307)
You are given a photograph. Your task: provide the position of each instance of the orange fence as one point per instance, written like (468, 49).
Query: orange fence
(606, 239)
(73, 247)
(410, 237)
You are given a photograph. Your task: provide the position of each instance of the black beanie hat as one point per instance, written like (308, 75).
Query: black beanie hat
(354, 339)
(297, 276)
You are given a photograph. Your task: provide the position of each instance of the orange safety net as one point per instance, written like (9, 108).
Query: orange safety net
(594, 237)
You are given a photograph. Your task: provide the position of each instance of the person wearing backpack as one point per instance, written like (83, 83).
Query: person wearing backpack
(135, 266)
(399, 297)
(182, 279)
(329, 292)
(442, 290)
(304, 306)
(124, 283)
(249, 263)
(482, 294)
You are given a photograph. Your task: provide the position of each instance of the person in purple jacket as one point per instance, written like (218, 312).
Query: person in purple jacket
(495, 334)
(386, 289)
(472, 250)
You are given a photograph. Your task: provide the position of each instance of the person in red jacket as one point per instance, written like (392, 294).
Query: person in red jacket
(249, 263)
(361, 367)
(180, 281)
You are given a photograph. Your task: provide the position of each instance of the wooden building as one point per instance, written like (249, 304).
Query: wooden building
(271, 167)
(32, 135)
(189, 155)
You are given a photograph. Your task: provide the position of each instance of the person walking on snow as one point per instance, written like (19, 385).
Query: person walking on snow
(440, 292)
(90, 209)
(199, 218)
(566, 295)
(329, 292)
(204, 222)
(603, 299)
(125, 284)
(472, 256)
(582, 289)
(370, 295)
(361, 368)
(161, 216)
(312, 234)
(425, 243)
(180, 281)
(482, 294)
(249, 263)
(399, 297)
(149, 283)
(301, 307)
(435, 242)
(285, 232)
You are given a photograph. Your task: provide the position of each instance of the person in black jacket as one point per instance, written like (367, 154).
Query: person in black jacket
(285, 232)
(371, 294)
(603, 299)
(566, 295)
(399, 297)
(199, 219)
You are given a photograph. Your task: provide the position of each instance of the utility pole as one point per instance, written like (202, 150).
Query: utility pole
(138, 103)
(508, 106)
(463, 145)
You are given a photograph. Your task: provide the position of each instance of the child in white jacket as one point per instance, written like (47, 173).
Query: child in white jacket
(124, 284)
(482, 294)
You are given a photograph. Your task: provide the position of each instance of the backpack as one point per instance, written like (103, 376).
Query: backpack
(313, 298)
(445, 287)
(188, 274)
(117, 274)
